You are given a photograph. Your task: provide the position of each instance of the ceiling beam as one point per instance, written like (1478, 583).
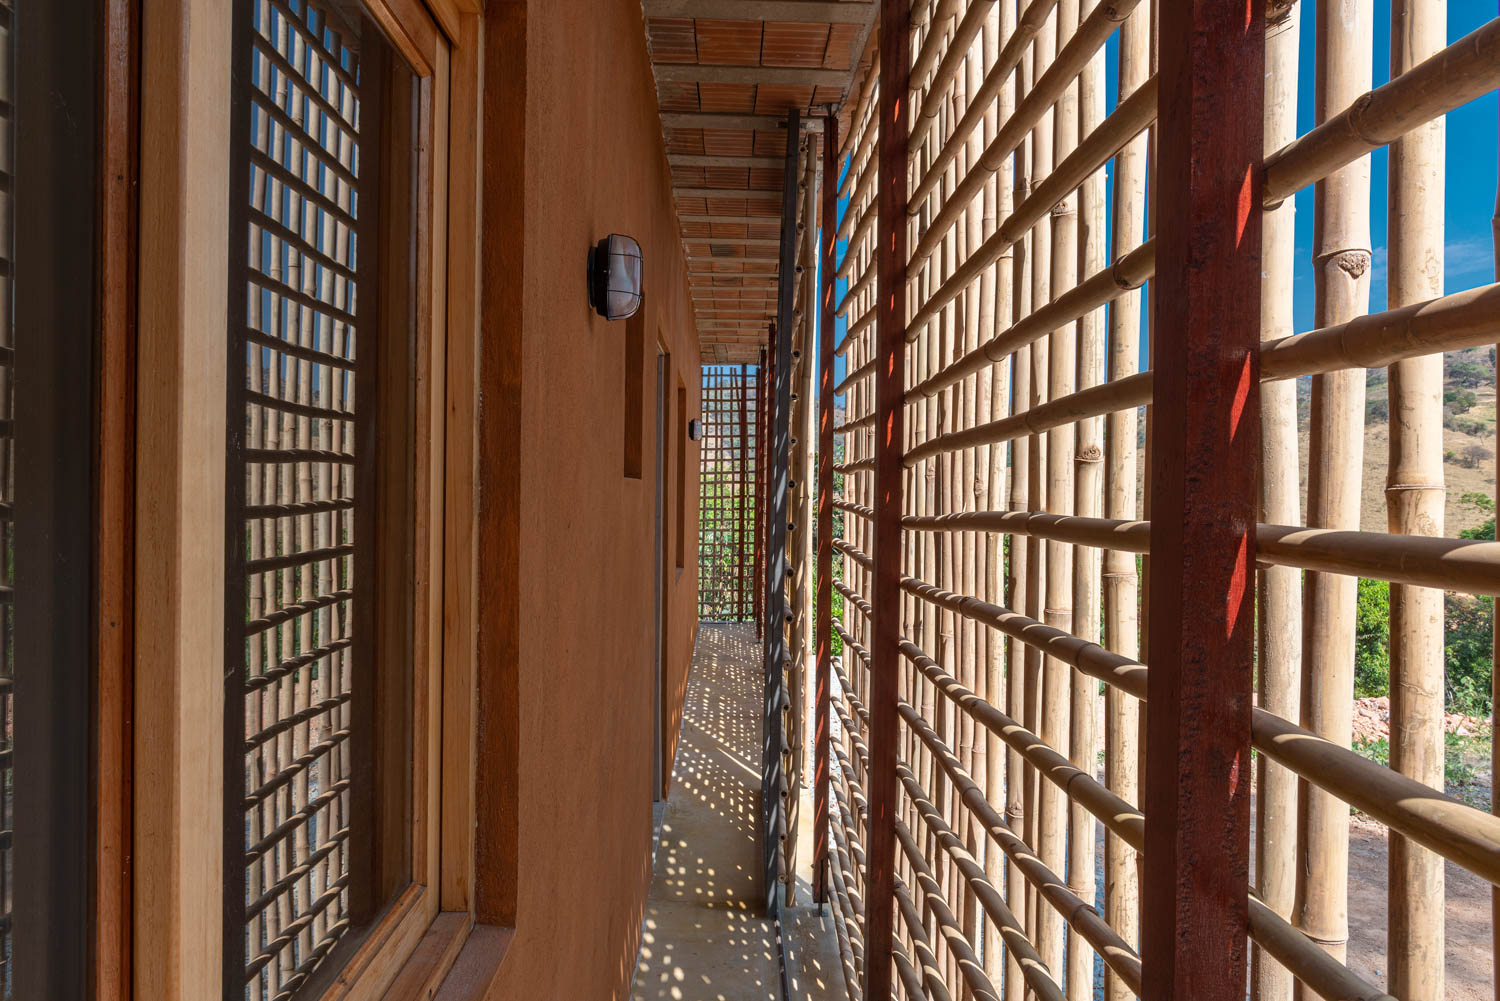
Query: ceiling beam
(732, 260)
(734, 241)
(814, 11)
(735, 220)
(795, 76)
(757, 196)
(715, 120)
(698, 160)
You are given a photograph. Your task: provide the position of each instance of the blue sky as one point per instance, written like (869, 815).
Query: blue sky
(1470, 169)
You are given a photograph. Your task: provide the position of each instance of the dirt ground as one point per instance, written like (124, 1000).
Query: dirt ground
(1469, 944)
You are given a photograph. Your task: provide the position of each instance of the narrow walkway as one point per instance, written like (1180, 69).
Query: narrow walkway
(703, 936)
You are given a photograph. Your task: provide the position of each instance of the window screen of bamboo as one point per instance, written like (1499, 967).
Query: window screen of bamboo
(726, 552)
(292, 527)
(1021, 602)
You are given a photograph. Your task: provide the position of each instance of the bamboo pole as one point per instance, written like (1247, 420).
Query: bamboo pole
(1130, 117)
(1462, 72)
(1335, 457)
(1415, 497)
(1019, 591)
(1495, 647)
(1279, 624)
(1083, 736)
(993, 389)
(1466, 836)
(1121, 584)
(1042, 150)
(1062, 380)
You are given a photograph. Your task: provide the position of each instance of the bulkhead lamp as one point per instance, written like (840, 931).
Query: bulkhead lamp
(615, 277)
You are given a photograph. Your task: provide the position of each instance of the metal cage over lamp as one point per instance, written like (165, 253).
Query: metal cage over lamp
(615, 277)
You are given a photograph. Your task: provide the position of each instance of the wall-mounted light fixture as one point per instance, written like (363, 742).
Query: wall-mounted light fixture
(695, 429)
(615, 277)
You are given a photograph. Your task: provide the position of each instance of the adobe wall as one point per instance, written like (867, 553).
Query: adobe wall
(594, 164)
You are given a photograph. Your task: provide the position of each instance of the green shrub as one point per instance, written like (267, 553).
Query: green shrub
(1372, 639)
(1468, 630)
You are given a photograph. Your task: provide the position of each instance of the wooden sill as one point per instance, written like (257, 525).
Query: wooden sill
(478, 963)
(419, 977)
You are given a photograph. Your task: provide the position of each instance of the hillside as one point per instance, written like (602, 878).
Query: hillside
(1468, 440)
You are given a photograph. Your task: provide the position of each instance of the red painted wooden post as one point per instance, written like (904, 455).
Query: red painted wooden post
(1204, 463)
(823, 636)
(890, 378)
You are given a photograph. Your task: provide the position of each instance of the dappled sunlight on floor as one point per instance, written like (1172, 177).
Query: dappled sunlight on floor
(704, 937)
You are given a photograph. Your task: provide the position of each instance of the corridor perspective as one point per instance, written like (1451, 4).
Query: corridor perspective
(749, 500)
(705, 934)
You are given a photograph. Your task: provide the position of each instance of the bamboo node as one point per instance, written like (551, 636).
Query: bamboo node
(1278, 11)
(1090, 454)
(1354, 262)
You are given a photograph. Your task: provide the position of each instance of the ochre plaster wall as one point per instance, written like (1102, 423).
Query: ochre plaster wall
(594, 164)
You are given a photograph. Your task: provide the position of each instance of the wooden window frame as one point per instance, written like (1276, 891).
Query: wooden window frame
(53, 382)
(175, 926)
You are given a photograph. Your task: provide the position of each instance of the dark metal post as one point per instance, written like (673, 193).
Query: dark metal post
(744, 584)
(777, 479)
(823, 599)
(1204, 466)
(890, 386)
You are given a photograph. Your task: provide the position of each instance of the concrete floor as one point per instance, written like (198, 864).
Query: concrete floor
(703, 937)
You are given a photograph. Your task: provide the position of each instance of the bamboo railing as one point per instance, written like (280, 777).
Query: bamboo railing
(988, 713)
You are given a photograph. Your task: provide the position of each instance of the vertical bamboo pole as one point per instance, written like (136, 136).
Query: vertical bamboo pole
(828, 230)
(993, 404)
(1495, 641)
(1018, 777)
(1040, 258)
(1415, 497)
(1083, 736)
(1062, 379)
(890, 387)
(1280, 588)
(1335, 451)
(1121, 584)
(1203, 488)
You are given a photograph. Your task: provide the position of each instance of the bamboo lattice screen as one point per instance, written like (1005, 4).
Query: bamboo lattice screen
(1020, 614)
(729, 450)
(293, 428)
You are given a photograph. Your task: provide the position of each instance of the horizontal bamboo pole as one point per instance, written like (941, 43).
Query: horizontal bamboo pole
(865, 222)
(1299, 954)
(1129, 272)
(954, 54)
(948, 924)
(1465, 319)
(1095, 401)
(868, 420)
(1312, 965)
(1462, 320)
(1130, 117)
(853, 376)
(1078, 913)
(1460, 833)
(852, 292)
(1463, 835)
(1468, 565)
(932, 42)
(1464, 71)
(1070, 62)
(1016, 48)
